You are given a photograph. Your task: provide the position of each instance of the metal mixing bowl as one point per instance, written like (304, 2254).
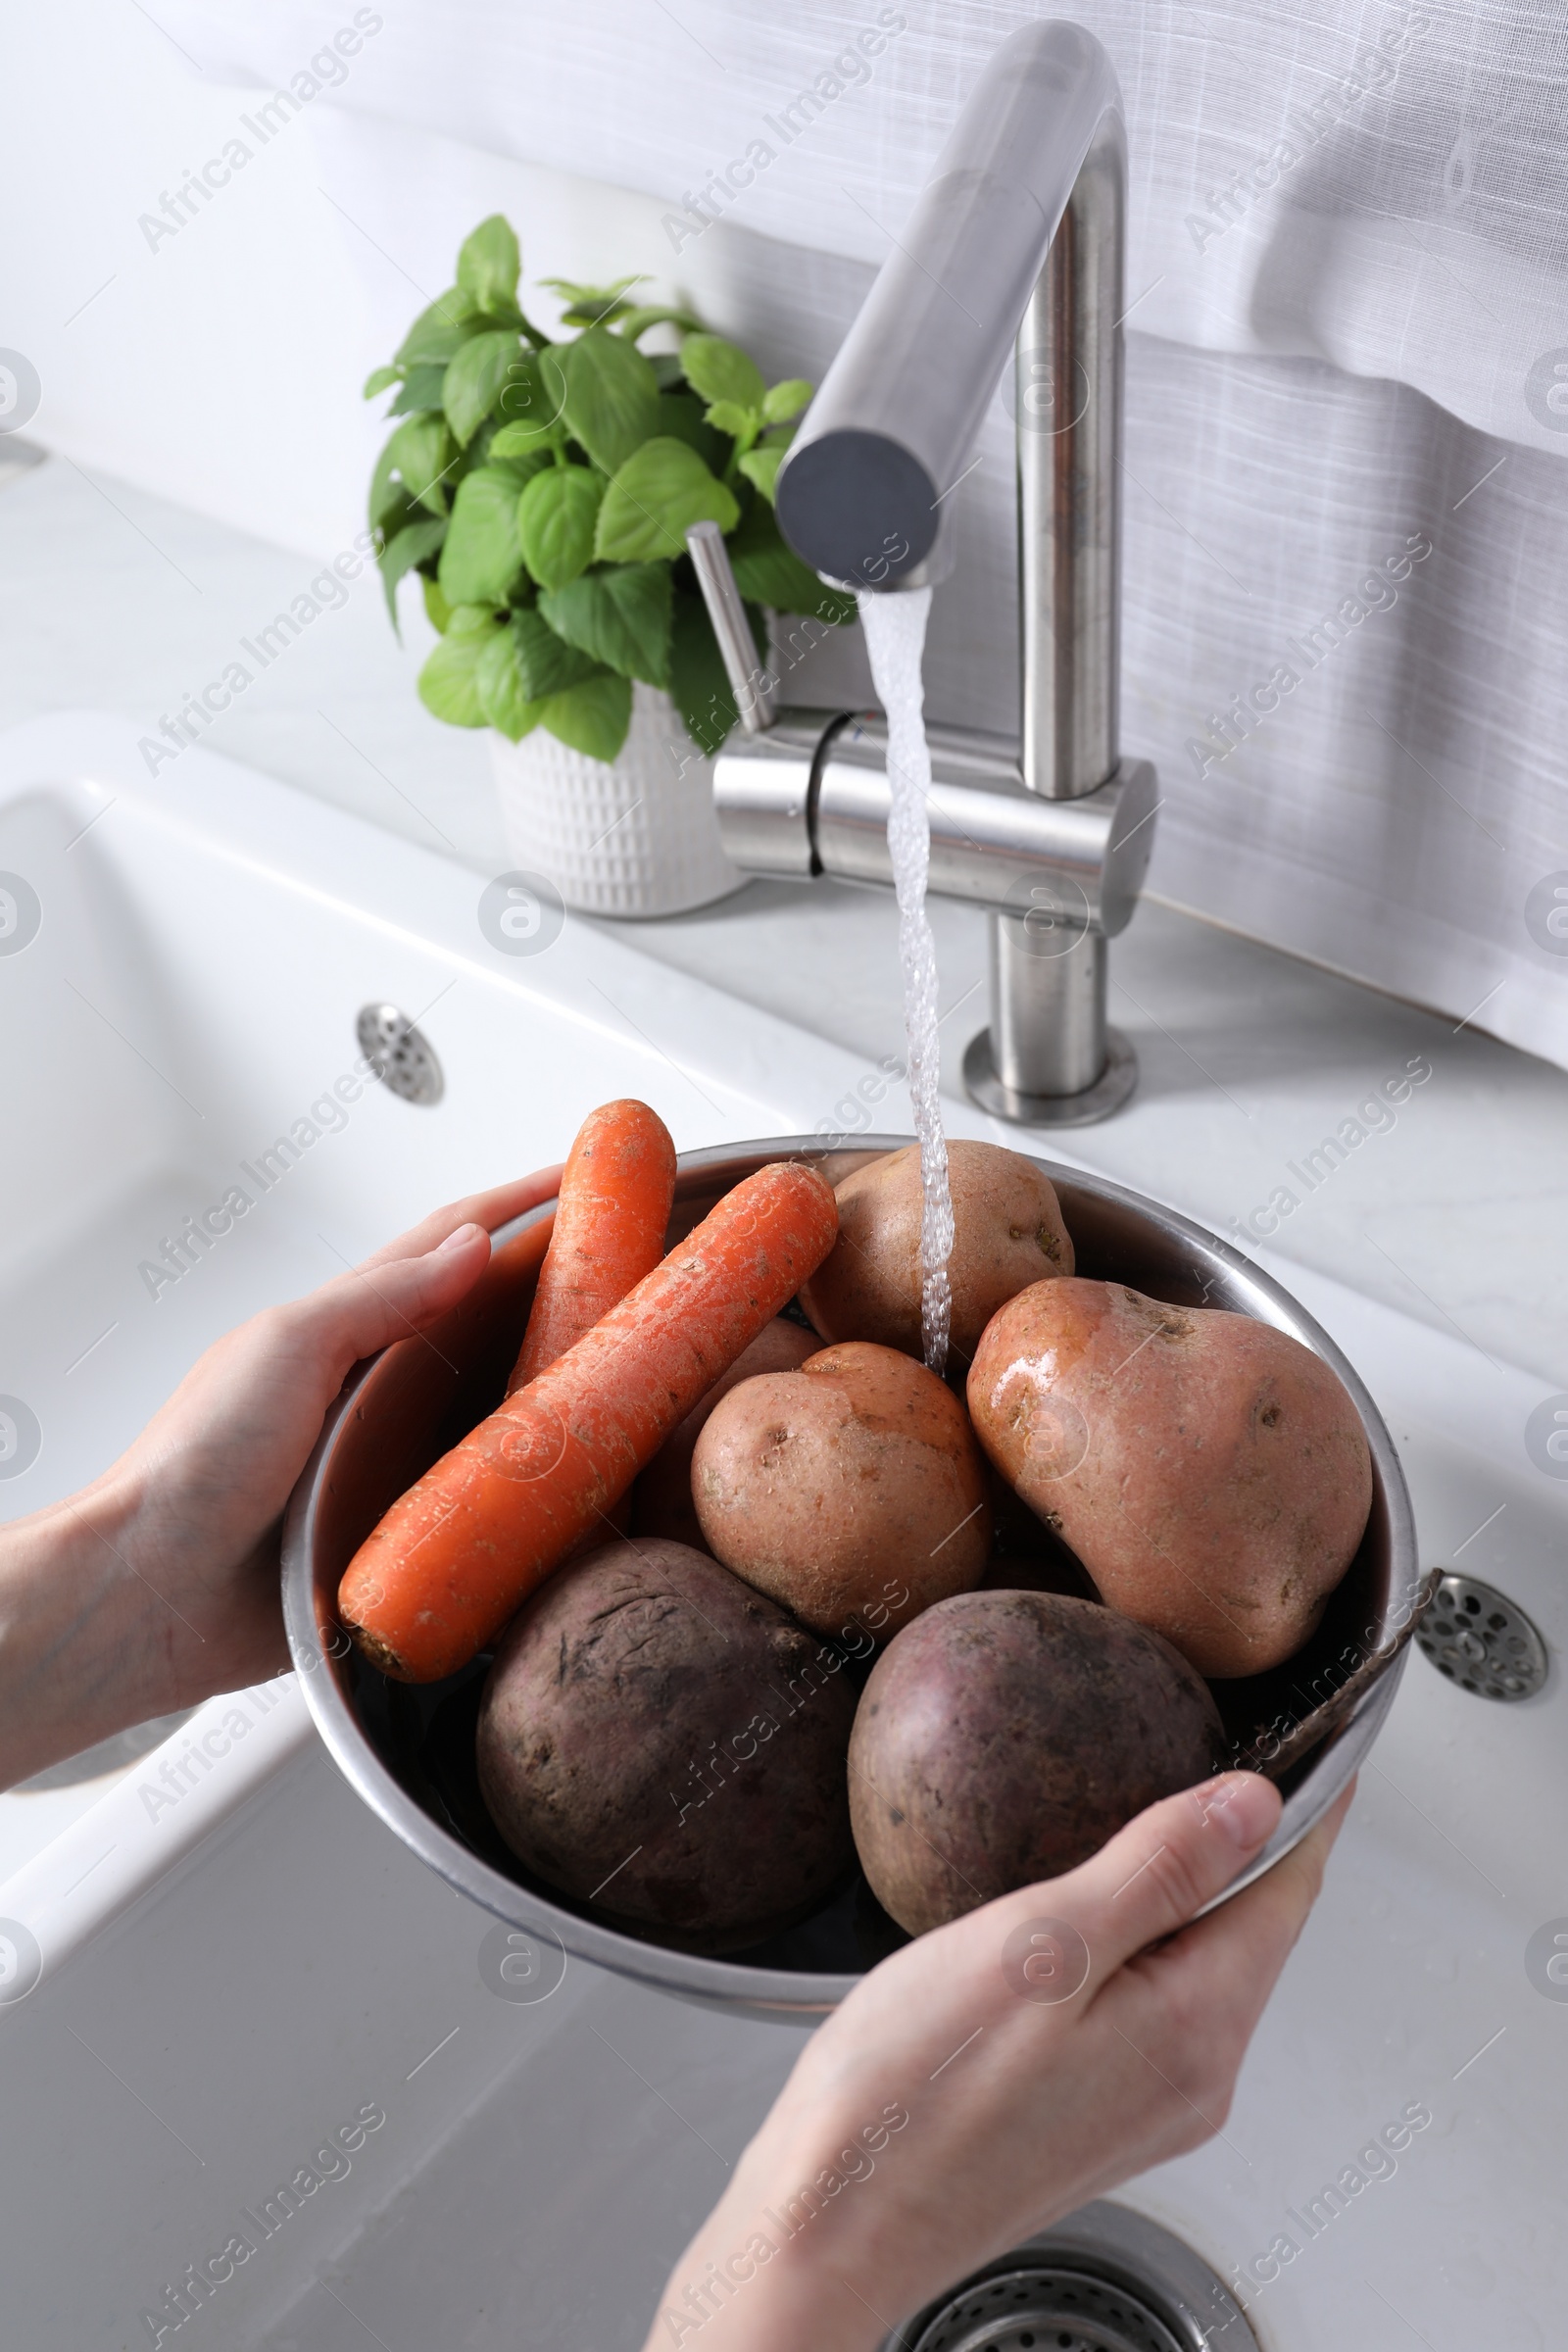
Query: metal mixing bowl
(409, 1750)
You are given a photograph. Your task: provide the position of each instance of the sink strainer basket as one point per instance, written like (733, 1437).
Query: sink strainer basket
(1104, 2280)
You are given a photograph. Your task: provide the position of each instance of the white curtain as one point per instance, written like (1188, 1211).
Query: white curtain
(1346, 501)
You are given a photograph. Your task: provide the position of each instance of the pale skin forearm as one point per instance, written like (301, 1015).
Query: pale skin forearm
(87, 1646)
(811, 2287)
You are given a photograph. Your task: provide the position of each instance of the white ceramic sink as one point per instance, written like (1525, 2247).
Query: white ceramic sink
(228, 1981)
(203, 950)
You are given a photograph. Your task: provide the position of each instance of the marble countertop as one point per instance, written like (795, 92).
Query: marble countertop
(1451, 1203)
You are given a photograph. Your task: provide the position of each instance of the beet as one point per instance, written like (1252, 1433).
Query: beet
(666, 1748)
(1003, 1736)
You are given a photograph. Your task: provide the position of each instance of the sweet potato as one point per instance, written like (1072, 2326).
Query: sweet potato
(666, 1746)
(1004, 1736)
(1211, 1472)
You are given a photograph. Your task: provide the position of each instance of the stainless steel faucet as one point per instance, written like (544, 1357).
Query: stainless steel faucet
(1019, 238)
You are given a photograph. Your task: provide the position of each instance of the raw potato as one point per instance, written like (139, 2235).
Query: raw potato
(662, 1495)
(852, 1487)
(653, 1728)
(1008, 1233)
(1211, 1472)
(1005, 1737)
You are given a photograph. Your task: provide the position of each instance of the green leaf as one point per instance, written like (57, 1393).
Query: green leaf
(771, 573)
(476, 378)
(387, 495)
(422, 389)
(636, 320)
(396, 517)
(481, 450)
(489, 264)
(591, 718)
(698, 679)
(721, 371)
(591, 306)
(437, 612)
(472, 620)
(667, 374)
(575, 291)
(682, 417)
(520, 471)
(728, 417)
(502, 694)
(761, 466)
(556, 517)
(378, 379)
(784, 401)
(483, 554)
(654, 498)
(414, 544)
(546, 664)
(448, 685)
(531, 403)
(596, 313)
(612, 403)
(474, 454)
(418, 456)
(620, 616)
(437, 331)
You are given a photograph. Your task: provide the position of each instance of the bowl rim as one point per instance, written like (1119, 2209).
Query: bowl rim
(736, 1987)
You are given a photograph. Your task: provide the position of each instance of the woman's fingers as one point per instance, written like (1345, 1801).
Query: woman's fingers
(490, 1210)
(404, 1286)
(390, 1297)
(1240, 1949)
(1190, 2007)
(1158, 1872)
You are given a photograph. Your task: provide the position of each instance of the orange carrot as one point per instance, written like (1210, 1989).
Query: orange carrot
(455, 1555)
(615, 1195)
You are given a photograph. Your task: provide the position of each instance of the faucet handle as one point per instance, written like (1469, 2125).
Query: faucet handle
(756, 691)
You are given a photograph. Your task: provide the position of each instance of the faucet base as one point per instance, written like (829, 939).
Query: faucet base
(1109, 1090)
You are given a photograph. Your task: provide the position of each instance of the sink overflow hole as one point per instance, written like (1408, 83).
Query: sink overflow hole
(401, 1053)
(1482, 1641)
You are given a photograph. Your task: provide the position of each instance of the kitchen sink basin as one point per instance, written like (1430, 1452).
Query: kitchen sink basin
(270, 2083)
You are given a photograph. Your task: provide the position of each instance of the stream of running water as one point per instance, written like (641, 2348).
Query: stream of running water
(895, 635)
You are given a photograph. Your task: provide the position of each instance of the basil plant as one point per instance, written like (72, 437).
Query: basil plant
(543, 491)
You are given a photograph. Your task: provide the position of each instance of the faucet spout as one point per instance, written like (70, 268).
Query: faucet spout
(861, 496)
(1018, 239)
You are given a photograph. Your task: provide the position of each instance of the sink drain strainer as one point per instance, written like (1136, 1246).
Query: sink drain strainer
(1105, 2280)
(1054, 2310)
(1482, 1641)
(404, 1057)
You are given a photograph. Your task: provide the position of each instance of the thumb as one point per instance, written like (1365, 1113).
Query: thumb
(362, 1312)
(1159, 1870)
(490, 1210)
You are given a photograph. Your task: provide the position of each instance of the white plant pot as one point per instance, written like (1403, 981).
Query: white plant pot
(637, 837)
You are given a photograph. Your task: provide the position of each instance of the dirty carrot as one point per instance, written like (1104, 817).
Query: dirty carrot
(457, 1554)
(615, 1195)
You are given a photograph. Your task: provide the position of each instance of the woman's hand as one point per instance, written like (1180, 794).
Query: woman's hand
(998, 2073)
(157, 1585)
